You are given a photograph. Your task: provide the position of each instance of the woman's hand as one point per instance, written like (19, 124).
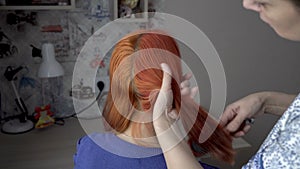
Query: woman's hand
(251, 106)
(185, 88)
(236, 113)
(177, 153)
(163, 113)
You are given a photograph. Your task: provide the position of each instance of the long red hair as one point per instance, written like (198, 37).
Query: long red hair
(136, 78)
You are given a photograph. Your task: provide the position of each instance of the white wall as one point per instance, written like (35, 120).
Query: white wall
(253, 56)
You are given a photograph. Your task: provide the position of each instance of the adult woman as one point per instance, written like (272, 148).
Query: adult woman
(135, 81)
(281, 149)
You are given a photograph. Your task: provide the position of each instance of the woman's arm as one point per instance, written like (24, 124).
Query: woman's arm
(180, 156)
(275, 102)
(254, 105)
(177, 153)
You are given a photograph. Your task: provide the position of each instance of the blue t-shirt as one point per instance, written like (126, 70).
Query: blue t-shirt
(281, 149)
(107, 151)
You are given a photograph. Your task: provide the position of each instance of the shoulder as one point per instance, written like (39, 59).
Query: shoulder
(281, 149)
(90, 139)
(89, 153)
(108, 151)
(94, 142)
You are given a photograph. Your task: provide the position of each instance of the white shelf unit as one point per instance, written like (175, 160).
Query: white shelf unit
(40, 7)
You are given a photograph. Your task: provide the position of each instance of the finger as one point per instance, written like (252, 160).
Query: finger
(194, 92)
(242, 132)
(163, 103)
(167, 77)
(236, 122)
(228, 115)
(247, 128)
(185, 84)
(185, 91)
(172, 114)
(187, 77)
(165, 96)
(233, 119)
(239, 134)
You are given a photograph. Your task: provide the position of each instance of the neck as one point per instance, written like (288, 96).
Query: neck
(146, 140)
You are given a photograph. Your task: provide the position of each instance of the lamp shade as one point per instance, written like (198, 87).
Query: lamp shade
(49, 66)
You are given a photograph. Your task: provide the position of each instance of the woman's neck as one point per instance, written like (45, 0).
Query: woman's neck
(146, 140)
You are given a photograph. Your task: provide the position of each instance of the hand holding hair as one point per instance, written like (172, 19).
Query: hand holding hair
(163, 115)
(252, 106)
(185, 88)
(236, 113)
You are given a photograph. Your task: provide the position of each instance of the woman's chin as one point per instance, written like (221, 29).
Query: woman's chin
(288, 36)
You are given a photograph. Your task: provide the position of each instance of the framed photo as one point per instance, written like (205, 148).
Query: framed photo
(130, 10)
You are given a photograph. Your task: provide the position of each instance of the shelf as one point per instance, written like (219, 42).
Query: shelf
(40, 7)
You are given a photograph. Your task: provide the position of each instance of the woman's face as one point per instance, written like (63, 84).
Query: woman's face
(282, 15)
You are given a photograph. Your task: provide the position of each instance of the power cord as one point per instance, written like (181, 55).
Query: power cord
(60, 121)
(100, 86)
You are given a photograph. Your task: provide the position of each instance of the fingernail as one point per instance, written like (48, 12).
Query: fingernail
(172, 114)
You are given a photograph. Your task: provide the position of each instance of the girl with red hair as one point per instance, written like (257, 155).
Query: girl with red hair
(138, 135)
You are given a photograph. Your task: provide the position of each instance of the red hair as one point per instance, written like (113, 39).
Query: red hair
(137, 58)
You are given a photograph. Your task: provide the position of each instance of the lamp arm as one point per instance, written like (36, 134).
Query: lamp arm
(10, 73)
